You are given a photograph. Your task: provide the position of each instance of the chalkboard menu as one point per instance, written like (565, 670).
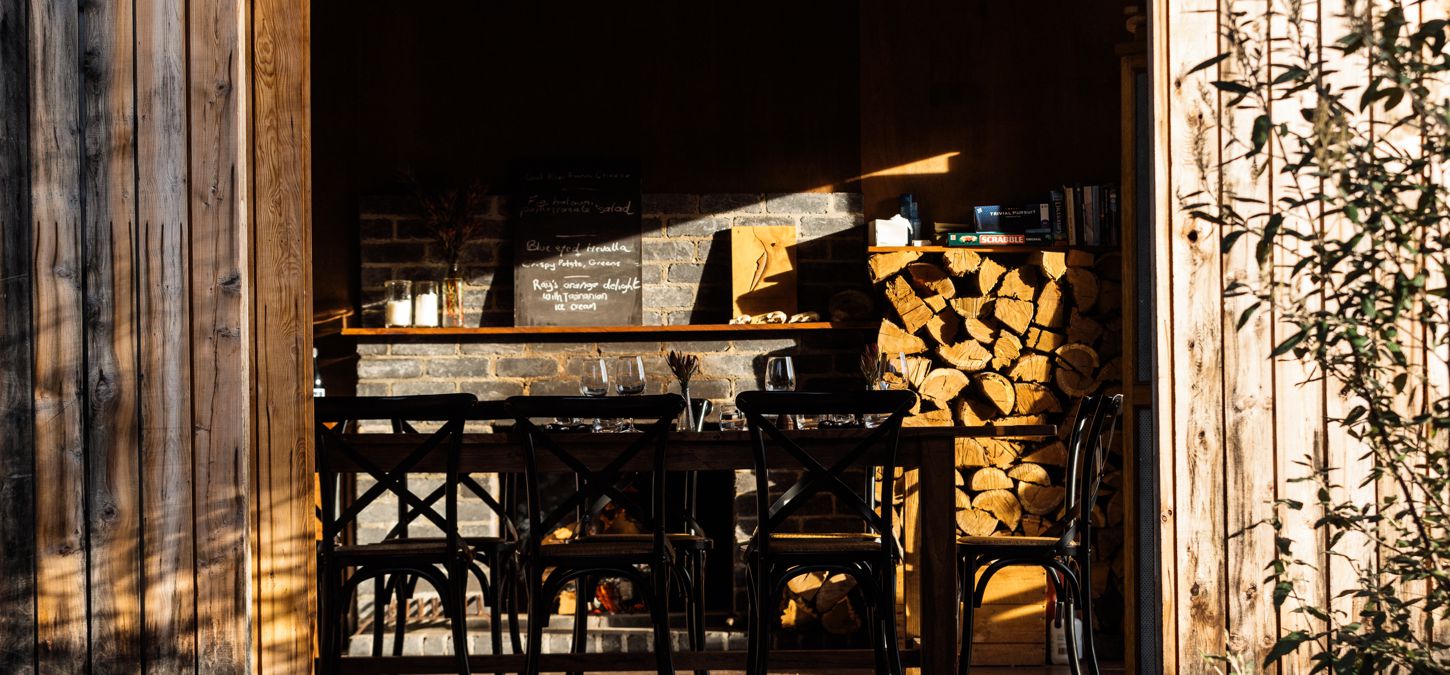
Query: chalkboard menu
(576, 248)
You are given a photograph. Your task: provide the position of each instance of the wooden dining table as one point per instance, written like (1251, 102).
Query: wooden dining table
(930, 583)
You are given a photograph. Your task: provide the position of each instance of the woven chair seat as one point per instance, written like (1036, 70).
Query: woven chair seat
(1008, 541)
(825, 542)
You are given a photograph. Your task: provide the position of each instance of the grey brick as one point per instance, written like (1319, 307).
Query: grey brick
(375, 229)
(531, 366)
(492, 348)
(698, 346)
(651, 227)
(492, 390)
(372, 349)
(847, 202)
(651, 274)
(373, 389)
(389, 369)
(823, 226)
(771, 220)
(373, 276)
(669, 203)
(662, 295)
(630, 348)
(387, 204)
(726, 202)
(761, 346)
(562, 387)
(798, 202)
(466, 367)
(724, 365)
(703, 226)
(425, 349)
(561, 347)
(396, 252)
(411, 228)
(686, 273)
(717, 390)
(420, 387)
(668, 250)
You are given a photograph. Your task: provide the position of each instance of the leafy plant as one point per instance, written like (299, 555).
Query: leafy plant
(1353, 254)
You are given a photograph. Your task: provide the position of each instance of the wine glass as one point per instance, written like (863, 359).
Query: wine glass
(595, 383)
(780, 376)
(629, 380)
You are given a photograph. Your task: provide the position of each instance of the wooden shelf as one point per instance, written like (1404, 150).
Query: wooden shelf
(606, 331)
(1016, 248)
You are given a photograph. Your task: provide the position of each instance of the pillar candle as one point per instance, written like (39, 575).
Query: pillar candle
(425, 309)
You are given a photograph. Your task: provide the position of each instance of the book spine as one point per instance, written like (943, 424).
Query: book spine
(968, 239)
(1059, 218)
(1072, 199)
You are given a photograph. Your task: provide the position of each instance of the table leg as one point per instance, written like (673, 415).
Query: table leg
(938, 576)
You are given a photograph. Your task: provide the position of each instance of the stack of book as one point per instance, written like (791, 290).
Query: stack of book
(1081, 215)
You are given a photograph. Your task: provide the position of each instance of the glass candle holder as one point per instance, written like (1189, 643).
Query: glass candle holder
(425, 303)
(399, 307)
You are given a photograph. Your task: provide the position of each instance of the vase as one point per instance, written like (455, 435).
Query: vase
(452, 298)
(689, 409)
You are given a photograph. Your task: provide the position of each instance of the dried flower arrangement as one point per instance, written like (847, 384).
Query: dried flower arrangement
(451, 214)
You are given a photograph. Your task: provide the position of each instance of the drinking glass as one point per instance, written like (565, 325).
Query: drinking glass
(731, 419)
(595, 383)
(629, 380)
(779, 374)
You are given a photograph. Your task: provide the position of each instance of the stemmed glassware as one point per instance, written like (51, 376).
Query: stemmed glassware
(595, 383)
(629, 380)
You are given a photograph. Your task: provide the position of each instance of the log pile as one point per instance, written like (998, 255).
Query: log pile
(1007, 338)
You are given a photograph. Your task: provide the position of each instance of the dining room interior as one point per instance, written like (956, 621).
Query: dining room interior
(909, 336)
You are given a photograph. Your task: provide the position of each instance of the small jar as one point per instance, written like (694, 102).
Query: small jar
(399, 308)
(425, 303)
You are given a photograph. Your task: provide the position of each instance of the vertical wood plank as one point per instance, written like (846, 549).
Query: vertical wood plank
(55, 172)
(109, 245)
(17, 453)
(1298, 395)
(219, 386)
(281, 335)
(165, 356)
(1248, 375)
(1197, 340)
(1346, 458)
(1164, 79)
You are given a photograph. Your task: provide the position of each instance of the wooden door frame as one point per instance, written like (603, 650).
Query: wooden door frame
(278, 166)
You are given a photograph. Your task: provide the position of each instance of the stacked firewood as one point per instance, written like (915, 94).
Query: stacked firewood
(1003, 338)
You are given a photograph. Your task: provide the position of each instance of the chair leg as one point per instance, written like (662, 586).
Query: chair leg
(660, 609)
(1069, 629)
(696, 604)
(405, 587)
(888, 611)
(760, 663)
(583, 591)
(325, 601)
(969, 605)
(515, 585)
(752, 620)
(1085, 600)
(381, 591)
(538, 616)
(457, 589)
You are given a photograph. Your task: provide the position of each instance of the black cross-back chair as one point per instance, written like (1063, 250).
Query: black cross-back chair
(869, 556)
(495, 563)
(420, 559)
(596, 556)
(1065, 555)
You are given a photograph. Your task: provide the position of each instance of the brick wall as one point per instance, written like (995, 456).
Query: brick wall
(686, 279)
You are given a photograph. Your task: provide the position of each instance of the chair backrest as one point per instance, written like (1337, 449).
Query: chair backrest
(1091, 436)
(602, 483)
(500, 505)
(761, 411)
(336, 413)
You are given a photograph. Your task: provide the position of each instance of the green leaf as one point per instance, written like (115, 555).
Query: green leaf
(1285, 646)
(1262, 126)
(1228, 240)
(1209, 63)
(1247, 314)
(1232, 87)
(1290, 343)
